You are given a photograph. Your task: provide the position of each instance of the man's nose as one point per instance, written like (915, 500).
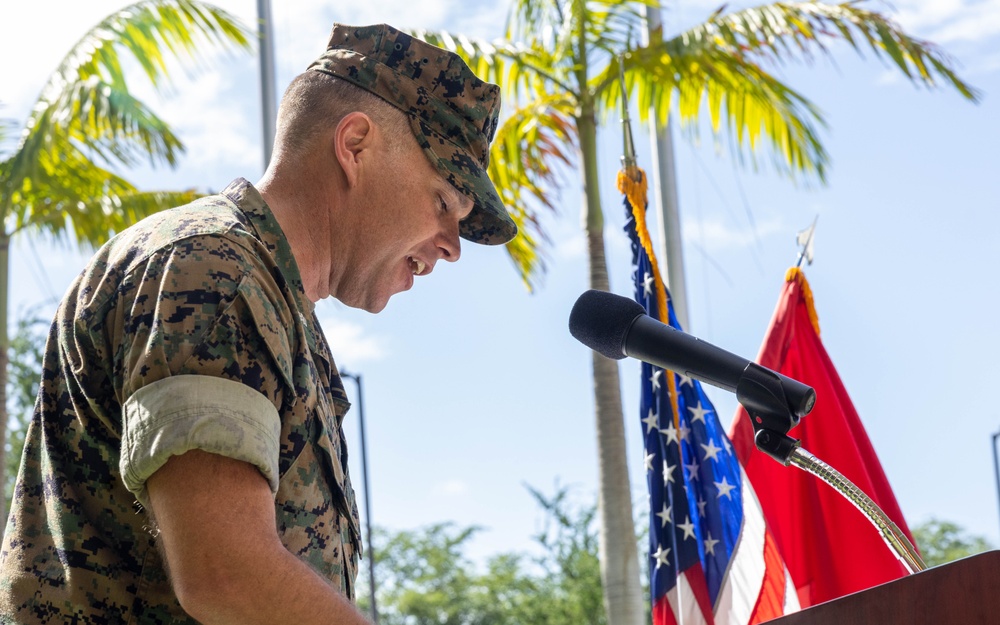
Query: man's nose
(450, 245)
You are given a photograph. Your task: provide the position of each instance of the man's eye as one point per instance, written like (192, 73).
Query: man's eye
(443, 204)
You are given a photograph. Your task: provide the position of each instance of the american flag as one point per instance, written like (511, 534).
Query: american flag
(711, 559)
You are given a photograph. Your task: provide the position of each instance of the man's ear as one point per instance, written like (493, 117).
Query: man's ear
(352, 143)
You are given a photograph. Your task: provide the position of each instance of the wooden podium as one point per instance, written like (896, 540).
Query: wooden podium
(966, 591)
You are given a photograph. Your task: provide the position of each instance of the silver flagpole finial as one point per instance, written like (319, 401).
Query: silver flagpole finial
(804, 238)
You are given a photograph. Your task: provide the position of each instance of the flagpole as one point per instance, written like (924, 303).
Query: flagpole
(665, 186)
(265, 33)
(356, 377)
(996, 464)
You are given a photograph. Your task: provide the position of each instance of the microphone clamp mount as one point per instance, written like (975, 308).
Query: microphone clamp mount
(767, 398)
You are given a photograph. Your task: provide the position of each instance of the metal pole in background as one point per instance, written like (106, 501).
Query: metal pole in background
(268, 106)
(670, 251)
(996, 464)
(364, 478)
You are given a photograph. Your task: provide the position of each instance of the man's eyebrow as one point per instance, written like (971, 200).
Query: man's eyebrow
(455, 197)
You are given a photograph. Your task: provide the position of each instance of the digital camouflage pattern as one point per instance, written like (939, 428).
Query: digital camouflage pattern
(209, 289)
(453, 114)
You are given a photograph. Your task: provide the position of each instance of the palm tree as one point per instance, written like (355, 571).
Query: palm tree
(59, 180)
(558, 67)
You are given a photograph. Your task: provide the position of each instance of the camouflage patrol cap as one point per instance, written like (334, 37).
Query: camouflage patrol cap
(453, 114)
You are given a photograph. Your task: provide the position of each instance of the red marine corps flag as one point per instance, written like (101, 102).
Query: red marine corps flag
(829, 547)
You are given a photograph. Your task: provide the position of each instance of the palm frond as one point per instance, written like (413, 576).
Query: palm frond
(718, 64)
(69, 197)
(6, 132)
(86, 111)
(772, 31)
(118, 127)
(149, 30)
(614, 27)
(87, 97)
(752, 104)
(543, 20)
(524, 159)
(109, 123)
(120, 210)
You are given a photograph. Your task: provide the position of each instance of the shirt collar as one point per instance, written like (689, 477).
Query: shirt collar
(249, 200)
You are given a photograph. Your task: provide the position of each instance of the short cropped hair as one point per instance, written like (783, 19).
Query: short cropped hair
(315, 101)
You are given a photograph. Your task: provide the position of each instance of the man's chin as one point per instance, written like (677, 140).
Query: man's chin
(377, 307)
(371, 306)
(372, 302)
(375, 304)
(380, 301)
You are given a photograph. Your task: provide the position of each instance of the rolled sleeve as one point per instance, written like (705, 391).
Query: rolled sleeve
(177, 414)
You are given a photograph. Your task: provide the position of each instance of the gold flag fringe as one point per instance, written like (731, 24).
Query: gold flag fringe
(795, 273)
(632, 184)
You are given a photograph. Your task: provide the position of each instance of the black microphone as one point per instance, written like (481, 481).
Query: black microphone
(616, 326)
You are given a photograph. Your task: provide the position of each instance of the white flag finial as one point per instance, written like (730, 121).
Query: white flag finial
(804, 239)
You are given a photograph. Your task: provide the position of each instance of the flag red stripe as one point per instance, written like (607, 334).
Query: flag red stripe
(662, 612)
(771, 601)
(696, 579)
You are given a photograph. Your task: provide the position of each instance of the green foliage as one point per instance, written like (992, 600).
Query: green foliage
(6, 130)
(572, 571)
(429, 580)
(59, 180)
(425, 578)
(943, 541)
(27, 346)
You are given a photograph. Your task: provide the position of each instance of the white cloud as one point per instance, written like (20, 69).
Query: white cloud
(37, 51)
(717, 234)
(945, 21)
(212, 131)
(351, 344)
(571, 248)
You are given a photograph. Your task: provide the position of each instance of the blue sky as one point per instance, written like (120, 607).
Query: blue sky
(474, 388)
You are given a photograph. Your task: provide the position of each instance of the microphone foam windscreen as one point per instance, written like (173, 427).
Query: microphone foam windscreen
(601, 320)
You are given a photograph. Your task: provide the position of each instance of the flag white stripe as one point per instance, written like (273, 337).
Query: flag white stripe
(684, 605)
(791, 596)
(745, 577)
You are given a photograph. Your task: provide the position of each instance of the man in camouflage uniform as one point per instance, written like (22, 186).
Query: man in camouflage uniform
(185, 460)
